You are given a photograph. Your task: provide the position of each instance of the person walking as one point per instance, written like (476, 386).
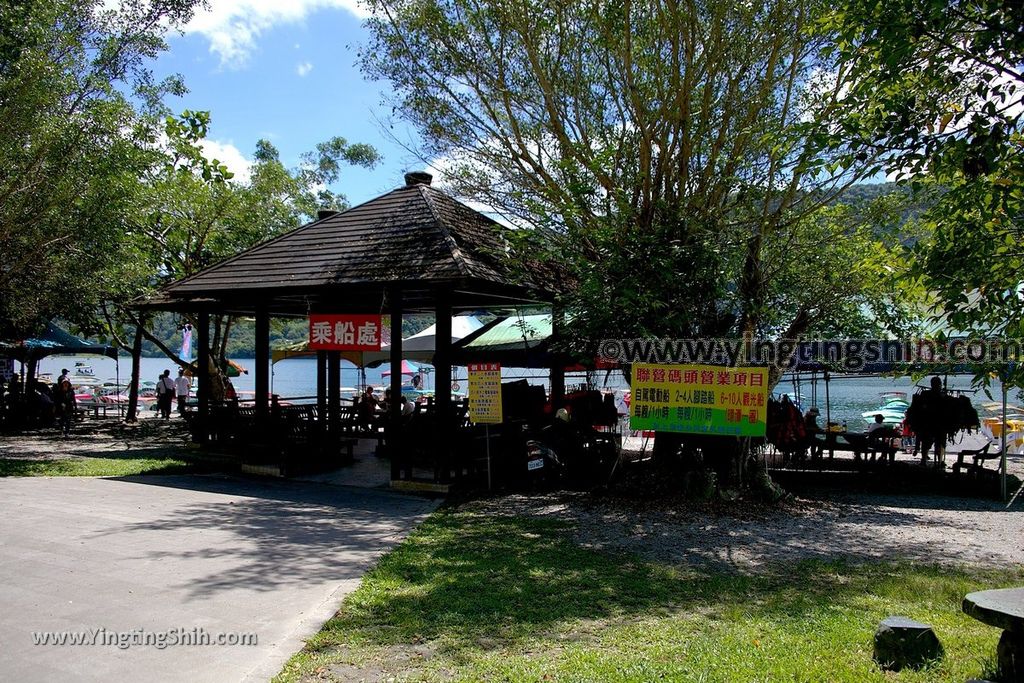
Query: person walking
(165, 392)
(64, 405)
(182, 386)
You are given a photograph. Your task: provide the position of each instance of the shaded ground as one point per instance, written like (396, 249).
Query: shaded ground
(100, 438)
(826, 526)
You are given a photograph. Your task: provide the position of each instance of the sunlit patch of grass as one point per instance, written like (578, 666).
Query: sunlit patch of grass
(473, 597)
(92, 467)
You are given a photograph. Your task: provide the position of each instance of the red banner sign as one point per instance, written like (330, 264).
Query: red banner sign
(344, 332)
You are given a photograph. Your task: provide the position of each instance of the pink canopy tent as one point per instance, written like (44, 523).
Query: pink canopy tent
(407, 369)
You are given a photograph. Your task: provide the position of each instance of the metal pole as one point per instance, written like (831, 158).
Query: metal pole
(487, 442)
(829, 438)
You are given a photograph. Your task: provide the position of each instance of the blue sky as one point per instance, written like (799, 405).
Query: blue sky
(286, 71)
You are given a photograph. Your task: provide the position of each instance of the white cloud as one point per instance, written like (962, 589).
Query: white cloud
(229, 155)
(233, 26)
(304, 68)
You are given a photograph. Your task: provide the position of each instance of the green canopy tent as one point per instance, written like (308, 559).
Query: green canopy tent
(53, 342)
(514, 341)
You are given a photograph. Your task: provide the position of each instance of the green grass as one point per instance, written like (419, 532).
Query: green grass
(470, 597)
(92, 467)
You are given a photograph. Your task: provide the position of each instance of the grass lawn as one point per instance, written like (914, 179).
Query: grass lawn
(92, 467)
(474, 597)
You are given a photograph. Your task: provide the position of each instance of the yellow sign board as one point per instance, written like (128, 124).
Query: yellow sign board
(485, 393)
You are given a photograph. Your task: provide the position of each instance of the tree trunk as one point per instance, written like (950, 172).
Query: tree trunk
(30, 374)
(133, 389)
(222, 351)
(215, 344)
(159, 344)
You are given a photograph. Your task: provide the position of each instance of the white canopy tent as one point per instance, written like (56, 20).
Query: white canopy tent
(418, 347)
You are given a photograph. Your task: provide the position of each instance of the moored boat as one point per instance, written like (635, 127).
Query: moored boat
(893, 409)
(83, 370)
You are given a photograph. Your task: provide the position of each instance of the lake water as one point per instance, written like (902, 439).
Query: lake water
(297, 377)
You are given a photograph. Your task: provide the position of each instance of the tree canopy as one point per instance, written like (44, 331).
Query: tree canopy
(69, 145)
(936, 91)
(192, 211)
(679, 158)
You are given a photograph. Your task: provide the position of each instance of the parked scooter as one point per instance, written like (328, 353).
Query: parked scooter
(543, 466)
(545, 461)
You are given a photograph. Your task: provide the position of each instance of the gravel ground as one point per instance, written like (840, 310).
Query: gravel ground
(827, 525)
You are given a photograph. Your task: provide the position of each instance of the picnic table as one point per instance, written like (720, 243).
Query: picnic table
(1002, 608)
(860, 443)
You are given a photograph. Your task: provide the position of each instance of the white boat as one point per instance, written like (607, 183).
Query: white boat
(83, 370)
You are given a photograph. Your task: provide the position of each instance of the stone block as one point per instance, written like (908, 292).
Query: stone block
(902, 643)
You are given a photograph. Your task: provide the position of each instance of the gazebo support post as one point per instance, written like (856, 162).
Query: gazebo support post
(262, 362)
(394, 435)
(333, 394)
(203, 378)
(443, 386)
(321, 392)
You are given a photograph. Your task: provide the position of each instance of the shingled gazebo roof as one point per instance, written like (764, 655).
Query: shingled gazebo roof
(415, 237)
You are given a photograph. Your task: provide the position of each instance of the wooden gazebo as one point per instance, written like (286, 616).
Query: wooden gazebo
(412, 250)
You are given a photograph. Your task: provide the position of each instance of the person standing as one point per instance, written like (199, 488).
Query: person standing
(182, 386)
(64, 375)
(815, 446)
(14, 400)
(160, 395)
(165, 390)
(927, 419)
(64, 405)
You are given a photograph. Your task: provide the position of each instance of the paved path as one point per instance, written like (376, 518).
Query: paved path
(221, 554)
